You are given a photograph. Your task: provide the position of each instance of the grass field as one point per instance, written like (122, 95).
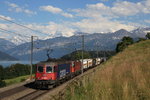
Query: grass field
(16, 80)
(125, 76)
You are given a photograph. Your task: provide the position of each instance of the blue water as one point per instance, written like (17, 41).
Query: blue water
(8, 63)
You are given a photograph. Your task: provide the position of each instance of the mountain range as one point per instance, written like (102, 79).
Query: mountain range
(5, 44)
(60, 46)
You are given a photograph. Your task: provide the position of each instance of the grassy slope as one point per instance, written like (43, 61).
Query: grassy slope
(125, 76)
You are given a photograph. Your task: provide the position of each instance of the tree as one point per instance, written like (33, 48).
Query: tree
(16, 70)
(148, 35)
(1, 72)
(141, 39)
(76, 55)
(2, 83)
(125, 41)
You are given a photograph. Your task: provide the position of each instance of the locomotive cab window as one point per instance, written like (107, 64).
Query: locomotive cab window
(73, 65)
(49, 69)
(55, 69)
(40, 69)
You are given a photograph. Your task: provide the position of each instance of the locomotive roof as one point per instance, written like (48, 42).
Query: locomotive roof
(52, 62)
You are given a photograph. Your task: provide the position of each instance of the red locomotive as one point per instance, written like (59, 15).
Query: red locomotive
(53, 73)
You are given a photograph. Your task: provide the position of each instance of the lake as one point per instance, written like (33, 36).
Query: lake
(8, 63)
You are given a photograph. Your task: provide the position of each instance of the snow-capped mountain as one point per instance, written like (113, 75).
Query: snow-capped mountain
(141, 32)
(64, 45)
(17, 40)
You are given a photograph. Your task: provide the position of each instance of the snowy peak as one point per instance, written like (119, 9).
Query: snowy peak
(64, 45)
(141, 32)
(17, 40)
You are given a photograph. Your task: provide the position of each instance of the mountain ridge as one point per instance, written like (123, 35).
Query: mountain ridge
(64, 45)
(6, 44)
(6, 57)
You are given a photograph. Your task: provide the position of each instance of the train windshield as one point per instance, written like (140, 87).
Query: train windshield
(49, 69)
(40, 69)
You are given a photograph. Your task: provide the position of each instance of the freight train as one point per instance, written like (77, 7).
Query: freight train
(49, 74)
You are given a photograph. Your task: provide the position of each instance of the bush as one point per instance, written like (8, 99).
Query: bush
(148, 35)
(2, 83)
(141, 39)
(1, 72)
(23, 79)
(16, 70)
(124, 43)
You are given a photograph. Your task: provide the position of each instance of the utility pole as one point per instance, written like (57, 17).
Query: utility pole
(31, 57)
(82, 51)
(97, 48)
(97, 53)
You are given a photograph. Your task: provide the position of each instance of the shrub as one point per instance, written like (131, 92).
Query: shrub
(2, 83)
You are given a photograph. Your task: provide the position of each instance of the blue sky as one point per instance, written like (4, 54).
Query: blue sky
(66, 17)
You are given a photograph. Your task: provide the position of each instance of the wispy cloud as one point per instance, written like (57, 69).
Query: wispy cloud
(5, 17)
(101, 25)
(50, 30)
(51, 9)
(55, 10)
(100, 17)
(67, 15)
(119, 9)
(16, 8)
(147, 21)
(94, 18)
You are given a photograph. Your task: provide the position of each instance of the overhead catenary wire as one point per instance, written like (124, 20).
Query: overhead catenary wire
(14, 46)
(14, 33)
(23, 26)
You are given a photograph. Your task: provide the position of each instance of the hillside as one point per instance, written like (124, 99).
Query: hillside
(125, 76)
(6, 57)
(87, 54)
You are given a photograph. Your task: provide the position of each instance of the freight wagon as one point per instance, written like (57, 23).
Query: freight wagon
(53, 73)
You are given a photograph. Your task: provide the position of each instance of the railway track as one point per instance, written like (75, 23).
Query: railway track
(6, 95)
(39, 93)
(35, 94)
(60, 89)
(12, 91)
(15, 90)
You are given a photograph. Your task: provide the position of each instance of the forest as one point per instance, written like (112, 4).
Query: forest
(13, 71)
